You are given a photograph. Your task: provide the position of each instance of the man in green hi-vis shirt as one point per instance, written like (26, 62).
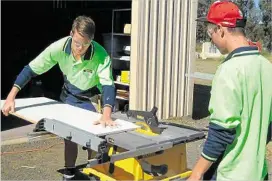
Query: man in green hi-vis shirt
(86, 66)
(240, 105)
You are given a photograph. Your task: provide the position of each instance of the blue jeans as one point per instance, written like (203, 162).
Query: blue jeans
(71, 100)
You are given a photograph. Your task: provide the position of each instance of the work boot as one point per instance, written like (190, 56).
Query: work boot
(69, 174)
(76, 175)
(68, 177)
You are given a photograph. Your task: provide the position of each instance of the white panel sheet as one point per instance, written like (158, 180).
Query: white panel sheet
(35, 109)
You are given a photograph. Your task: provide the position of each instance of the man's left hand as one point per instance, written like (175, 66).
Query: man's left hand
(105, 122)
(199, 169)
(194, 178)
(105, 119)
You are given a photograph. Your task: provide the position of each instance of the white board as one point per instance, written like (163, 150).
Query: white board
(35, 109)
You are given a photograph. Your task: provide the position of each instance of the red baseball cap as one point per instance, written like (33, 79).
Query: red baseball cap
(225, 13)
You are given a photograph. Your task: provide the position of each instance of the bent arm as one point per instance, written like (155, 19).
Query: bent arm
(106, 80)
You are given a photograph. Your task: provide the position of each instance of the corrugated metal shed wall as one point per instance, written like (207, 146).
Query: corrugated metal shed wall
(162, 52)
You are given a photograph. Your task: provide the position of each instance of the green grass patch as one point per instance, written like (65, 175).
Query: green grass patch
(267, 55)
(199, 47)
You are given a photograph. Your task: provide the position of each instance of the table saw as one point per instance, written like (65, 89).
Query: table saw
(146, 149)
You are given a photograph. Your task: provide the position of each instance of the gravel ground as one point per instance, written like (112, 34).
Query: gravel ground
(45, 163)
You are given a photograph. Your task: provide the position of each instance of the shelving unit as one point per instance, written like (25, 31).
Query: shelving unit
(118, 46)
(120, 34)
(121, 98)
(121, 83)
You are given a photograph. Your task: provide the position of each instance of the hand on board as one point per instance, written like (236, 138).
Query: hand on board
(106, 122)
(8, 107)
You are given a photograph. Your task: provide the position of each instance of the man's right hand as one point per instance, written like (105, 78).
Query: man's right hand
(8, 107)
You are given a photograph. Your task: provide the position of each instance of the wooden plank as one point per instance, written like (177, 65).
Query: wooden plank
(35, 109)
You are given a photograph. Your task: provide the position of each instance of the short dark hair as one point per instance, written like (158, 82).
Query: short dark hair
(235, 30)
(85, 26)
(239, 30)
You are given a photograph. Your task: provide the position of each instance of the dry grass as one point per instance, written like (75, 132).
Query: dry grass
(269, 152)
(267, 55)
(206, 66)
(210, 66)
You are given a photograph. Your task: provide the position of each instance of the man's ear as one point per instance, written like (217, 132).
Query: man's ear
(221, 30)
(71, 33)
(222, 34)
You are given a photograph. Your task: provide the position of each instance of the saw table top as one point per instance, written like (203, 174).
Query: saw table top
(35, 109)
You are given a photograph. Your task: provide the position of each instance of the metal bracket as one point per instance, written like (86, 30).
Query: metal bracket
(39, 126)
(149, 117)
(131, 154)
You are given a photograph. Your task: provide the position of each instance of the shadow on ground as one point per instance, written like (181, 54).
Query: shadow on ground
(79, 175)
(11, 122)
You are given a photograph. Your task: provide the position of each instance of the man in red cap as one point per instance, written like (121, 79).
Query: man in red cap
(240, 105)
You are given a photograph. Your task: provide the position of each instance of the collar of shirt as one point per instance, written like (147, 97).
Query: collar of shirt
(243, 51)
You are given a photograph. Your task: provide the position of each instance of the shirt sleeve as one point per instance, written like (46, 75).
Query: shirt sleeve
(45, 60)
(225, 107)
(42, 63)
(24, 77)
(107, 83)
(226, 99)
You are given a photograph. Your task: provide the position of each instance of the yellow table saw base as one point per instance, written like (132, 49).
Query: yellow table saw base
(130, 169)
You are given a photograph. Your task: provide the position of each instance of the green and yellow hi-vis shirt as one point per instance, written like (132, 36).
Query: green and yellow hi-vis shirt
(80, 77)
(241, 111)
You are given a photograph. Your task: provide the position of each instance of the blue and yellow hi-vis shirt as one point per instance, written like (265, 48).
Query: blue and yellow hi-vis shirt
(241, 111)
(80, 77)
